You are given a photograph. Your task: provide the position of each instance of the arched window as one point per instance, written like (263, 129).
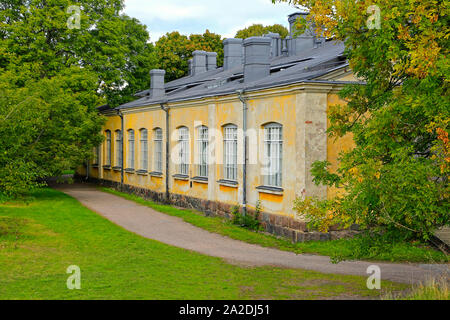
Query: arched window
(108, 148)
(202, 151)
(183, 151)
(144, 149)
(118, 149)
(131, 149)
(273, 151)
(158, 147)
(230, 152)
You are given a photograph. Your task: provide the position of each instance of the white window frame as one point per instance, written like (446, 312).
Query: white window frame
(202, 151)
(230, 152)
(131, 149)
(108, 148)
(183, 151)
(158, 147)
(119, 137)
(143, 148)
(273, 154)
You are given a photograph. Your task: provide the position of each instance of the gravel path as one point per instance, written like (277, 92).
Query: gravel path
(174, 231)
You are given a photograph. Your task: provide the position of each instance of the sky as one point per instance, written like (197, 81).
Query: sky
(224, 17)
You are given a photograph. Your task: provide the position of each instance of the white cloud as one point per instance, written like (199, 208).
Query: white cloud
(167, 10)
(222, 17)
(232, 32)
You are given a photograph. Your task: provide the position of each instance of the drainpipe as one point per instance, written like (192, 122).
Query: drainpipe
(166, 109)
(87, 170)
(120, 114)
(244, 168)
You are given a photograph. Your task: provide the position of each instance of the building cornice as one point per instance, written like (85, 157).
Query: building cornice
(318, 86)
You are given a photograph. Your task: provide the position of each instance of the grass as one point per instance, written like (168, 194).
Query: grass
(401, 252)
(434, 289)
(40, 240)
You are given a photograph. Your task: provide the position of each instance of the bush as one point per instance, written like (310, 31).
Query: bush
(249, 220)
(405, 199)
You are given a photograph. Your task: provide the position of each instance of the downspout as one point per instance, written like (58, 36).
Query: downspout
(120, 114)
(166, 109)
(87, 170)
(245, 142)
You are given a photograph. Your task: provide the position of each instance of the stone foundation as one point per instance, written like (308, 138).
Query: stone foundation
(282, 226)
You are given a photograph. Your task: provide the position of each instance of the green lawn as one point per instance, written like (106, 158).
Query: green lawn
(433, 289)
(401, 252)
(39, 240)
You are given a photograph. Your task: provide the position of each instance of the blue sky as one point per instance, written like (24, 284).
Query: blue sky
(224, 17)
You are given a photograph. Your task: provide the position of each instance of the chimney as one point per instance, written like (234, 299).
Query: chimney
(211, 61)
(232, 50)
(157, 89)
(190, 62)
(198, 62)
(275, 45)
(257, 58)
(305, 41)
(292, 18)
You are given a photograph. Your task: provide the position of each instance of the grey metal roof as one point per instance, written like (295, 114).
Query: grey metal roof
(305, 67)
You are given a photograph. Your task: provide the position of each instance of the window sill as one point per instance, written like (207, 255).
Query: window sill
(94, 166)
(156, 174)
(270, 190)
(142, 172)
(129, 170)
(228, 183)
(117, 168)
(107, 167)
(200, 179)
(183, 177)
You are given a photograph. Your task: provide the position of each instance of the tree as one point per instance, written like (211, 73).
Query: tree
(174, 51)
(53, 75)
(210, 42)
(258, 30)
(396, 177)
(111, 44)
(47, 125)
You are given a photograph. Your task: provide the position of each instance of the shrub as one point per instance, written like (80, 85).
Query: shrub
(249, 220)
(406, 200)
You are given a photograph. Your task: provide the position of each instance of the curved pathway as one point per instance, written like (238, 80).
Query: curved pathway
(174, 231)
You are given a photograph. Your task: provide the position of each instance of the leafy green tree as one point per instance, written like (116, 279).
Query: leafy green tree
(111, 44)
(258, 30)
(53, 75)
(174, 51)
(47, 125)
(395, 179)
(210, 42)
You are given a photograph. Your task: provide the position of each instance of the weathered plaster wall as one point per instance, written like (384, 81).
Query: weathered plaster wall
(302, 111)
(336, 146)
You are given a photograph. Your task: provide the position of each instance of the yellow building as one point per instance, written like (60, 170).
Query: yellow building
(184, 141)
